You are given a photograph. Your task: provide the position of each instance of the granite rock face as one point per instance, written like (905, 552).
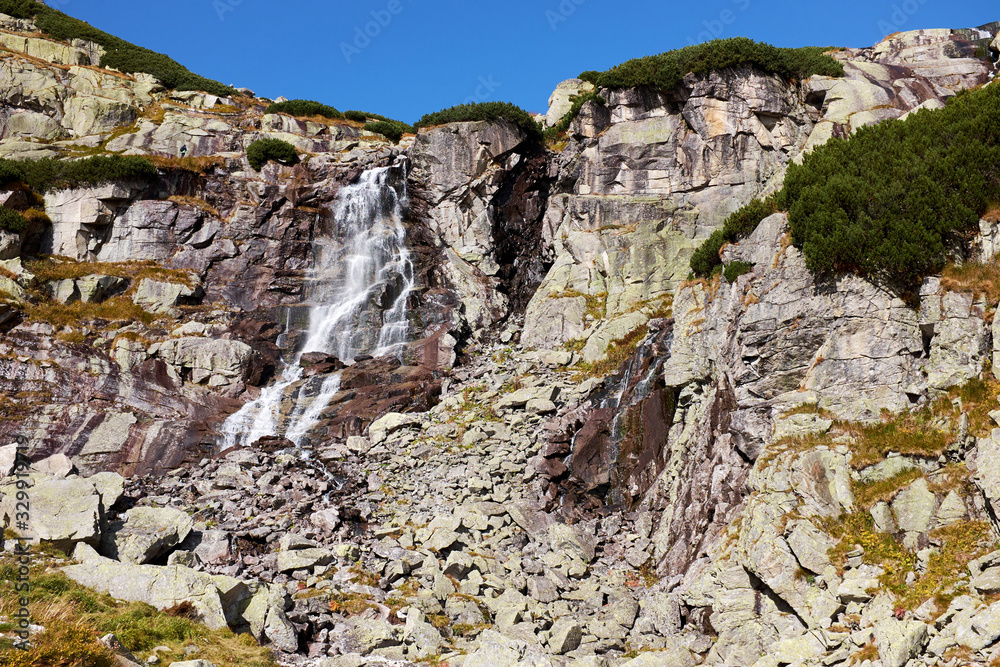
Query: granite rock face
(494, 492)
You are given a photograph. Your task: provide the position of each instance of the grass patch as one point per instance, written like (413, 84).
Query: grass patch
(351, 604)
(975, 278)
(807, 409)
(195, 202)
(195, 165)
(961, 543)
(115, 309)
(909, 434)
(868, 493)
(74, 617)
(61, 268)
(618, 352)
(880, 549)
(978, 397)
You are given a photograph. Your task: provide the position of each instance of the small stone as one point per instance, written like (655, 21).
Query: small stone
(565, 636)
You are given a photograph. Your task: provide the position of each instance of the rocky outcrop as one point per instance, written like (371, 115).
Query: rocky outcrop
(635, 197)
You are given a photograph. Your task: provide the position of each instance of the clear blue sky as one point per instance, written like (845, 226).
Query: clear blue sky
(429, 54)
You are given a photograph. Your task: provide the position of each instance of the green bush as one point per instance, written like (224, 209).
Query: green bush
(365, 117)
(706, 258)
(888, 202)
(12, 221)
(739, 225)
(120, 55)
(262, 150)
(52, 174)
(574, 111)
(10, 172)
(390, 130)
(667, 70)
(304, 108)
(483, 111)
(736, 269)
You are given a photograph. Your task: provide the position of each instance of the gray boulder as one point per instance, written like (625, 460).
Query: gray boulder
(146, 533)
(162, 298)
(214, 362)
(96, 288)
(899, 641)
(161, 587)
(63, 511)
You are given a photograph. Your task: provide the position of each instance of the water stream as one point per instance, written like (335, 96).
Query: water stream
(357, 291)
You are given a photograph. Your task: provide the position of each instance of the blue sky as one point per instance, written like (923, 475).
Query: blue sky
(420, 56)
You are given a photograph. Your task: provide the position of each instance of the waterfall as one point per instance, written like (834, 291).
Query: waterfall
(357, 290)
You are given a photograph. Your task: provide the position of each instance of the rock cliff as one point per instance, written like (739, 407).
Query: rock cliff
(580, 456)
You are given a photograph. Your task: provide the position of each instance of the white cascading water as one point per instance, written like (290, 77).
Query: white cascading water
(366, 256)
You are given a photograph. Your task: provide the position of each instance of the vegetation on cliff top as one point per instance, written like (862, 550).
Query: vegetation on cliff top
(483, 111)
(120, 55)
(892, 200)
(667, 70)
(51, 174)
(388, 129)
(365, 117)
(304, 108)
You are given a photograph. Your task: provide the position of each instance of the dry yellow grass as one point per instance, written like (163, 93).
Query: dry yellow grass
(909, 434)
(867, 494)
(115, 310)
(62, 268)
(973, 277)
(195, 202)
(618, 351)
(195, 165)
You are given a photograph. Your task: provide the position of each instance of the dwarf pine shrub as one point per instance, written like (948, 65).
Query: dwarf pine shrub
(739, 225)
(667, 70)
(890, 201)
(53, 174)
(263, 150)
(304, 108)
(483, 111)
